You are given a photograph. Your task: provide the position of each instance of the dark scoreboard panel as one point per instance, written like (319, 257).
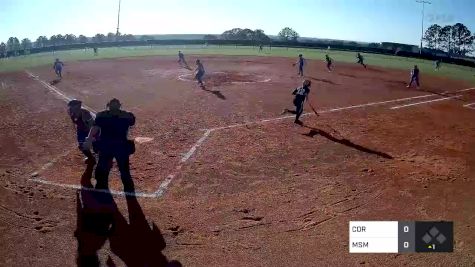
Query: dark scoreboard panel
(400, 236)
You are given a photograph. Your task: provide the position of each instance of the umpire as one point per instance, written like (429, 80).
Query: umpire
(113, 125)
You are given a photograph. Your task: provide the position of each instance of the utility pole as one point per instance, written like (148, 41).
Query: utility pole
(423, 2)
(118, 20)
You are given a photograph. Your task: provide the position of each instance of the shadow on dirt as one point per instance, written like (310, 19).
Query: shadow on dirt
(217, 93)
(99, 220)
(55, 81)
(314, 131)
(347, 75)
(323, 80)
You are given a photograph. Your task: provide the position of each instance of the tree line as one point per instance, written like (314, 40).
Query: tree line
(14, 45)
(258, 35)
(454, 39)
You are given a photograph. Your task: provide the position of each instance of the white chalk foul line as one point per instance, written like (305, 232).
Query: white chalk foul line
(322, 111)
(113, 192)
(164, 185)
(58, 92)
(425, 102)
(469, 105)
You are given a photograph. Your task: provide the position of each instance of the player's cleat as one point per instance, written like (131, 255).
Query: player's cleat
(285, 111)
(408, 86)
(299, 122)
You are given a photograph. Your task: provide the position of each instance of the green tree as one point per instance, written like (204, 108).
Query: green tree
(3, 49)
(462, 38)
(288, 34)
(260, 37)
(70, 39)
(110, 37)
(99, 38)
(26, 44)
(82, 39)
(41, 41)
(432, 36)
(13, 45)
(446, 39)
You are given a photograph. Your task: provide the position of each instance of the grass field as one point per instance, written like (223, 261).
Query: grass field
(448, 70)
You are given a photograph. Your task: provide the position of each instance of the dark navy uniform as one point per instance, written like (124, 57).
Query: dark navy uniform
(114, 126)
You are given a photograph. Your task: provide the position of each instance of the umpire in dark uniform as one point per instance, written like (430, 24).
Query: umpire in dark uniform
(113, 125)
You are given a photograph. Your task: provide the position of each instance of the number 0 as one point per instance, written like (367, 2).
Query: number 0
(406, 229)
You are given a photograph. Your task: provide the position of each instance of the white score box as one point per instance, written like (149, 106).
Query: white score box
(373, 245)
(373, 237)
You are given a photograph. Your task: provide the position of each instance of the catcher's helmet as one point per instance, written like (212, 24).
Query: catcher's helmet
(74, 102)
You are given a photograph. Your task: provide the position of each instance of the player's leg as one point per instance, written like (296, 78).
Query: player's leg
(298, 111)
(122, 158)
(81, 137)
(417, 82)
(103, 169)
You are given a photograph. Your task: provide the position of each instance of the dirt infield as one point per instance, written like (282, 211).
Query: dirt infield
(222, 178)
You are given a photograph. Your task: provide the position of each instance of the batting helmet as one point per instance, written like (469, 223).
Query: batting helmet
(74, 102)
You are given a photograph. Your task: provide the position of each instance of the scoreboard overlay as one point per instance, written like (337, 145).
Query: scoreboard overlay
(400, 236)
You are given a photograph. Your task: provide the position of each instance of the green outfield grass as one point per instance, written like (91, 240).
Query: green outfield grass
(447, 70)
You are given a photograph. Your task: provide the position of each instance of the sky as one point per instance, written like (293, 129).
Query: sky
(358, 20)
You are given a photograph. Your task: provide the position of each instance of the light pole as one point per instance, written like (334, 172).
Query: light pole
(118, 20)
(423, 2)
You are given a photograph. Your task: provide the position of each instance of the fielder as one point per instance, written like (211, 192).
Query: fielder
(437, 64)
(199, 72)
(83, 121)
(181, 59)
(329, 62)
(414, 77)
(360, 59)
(58, 68)
(300, 62)
(301, 94)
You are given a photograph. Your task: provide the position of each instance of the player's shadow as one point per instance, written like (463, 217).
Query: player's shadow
(315, 131)
(347, 75)
(323, 80)
(55, 81)
(135, 242)
(217, 93)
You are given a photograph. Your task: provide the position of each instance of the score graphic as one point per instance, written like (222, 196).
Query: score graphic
(400, 237)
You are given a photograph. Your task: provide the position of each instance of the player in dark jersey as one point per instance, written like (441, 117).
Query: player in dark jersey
(360, 59)
(83, 120)
(300, 63)
(58, 68)
(199, 72)
(437, 64)
(301, 94)
(414, 77)
(329, 62)
(95, 51)
(181, 60)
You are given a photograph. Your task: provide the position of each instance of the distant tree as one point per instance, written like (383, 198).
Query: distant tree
(128, 37)
(70, 39)
(432, 36)
(41, 41)
(3, 49)
(462, 38)
(231, 34)
(60, 39)
(373, 45)
(82, 39)
(260, 37)
(99, 38)
(446, 39)
(13, 45)
(288, 34)
(110, 37)
(26, 44)
(210, 37)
